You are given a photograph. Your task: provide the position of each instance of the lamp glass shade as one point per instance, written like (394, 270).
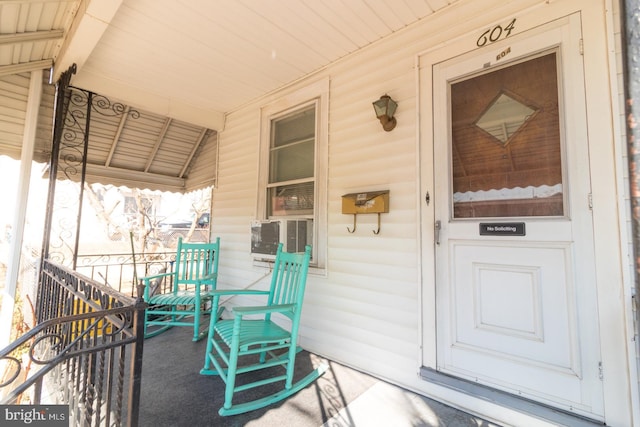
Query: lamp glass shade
(391, 107)
(385, 106)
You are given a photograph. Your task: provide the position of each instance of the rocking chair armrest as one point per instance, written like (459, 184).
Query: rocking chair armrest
(147, 279)
(209, 276)
(262, 309)
(217, 293)
(222, 292)
(207, 280)
(147, 283)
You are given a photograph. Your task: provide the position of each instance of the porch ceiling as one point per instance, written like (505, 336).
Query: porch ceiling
(192, 60)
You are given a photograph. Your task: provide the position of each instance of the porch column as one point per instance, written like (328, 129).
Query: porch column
(20, 211)
(631, 68)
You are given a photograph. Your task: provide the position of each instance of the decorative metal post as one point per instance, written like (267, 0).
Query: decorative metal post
(72, 136)
(60, 107)
(85, 150)
(135, 380)
(60, 111)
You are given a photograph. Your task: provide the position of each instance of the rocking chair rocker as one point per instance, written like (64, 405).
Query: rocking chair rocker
(252, 332)
(195, 274)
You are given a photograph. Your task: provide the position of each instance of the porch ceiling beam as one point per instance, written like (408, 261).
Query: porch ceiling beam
(156, 147)
(27, 67)
(91, 21)
(193, 152)
(116, 138)
(31, 36)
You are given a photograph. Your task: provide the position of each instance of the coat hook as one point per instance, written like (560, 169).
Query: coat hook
(378, 230)
(354, 225)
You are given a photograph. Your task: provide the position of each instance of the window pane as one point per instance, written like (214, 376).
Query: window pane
(506, 149)
(294, 161)
(296, 127)
(292, 146)
(296, 199)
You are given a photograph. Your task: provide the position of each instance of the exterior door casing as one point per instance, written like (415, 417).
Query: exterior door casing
(515, 312)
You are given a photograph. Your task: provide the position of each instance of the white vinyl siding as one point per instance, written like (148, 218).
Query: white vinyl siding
(366, 308)
(365, 312)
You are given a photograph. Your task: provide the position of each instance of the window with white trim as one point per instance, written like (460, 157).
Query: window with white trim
(293, 170)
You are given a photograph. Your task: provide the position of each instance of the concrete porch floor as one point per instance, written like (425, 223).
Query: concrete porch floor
(174, 394)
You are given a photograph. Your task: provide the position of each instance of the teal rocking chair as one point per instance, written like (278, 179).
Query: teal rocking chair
(182, 299)
(252, 341)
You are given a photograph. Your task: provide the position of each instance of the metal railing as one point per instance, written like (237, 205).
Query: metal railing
(86, 351)
(120, 270)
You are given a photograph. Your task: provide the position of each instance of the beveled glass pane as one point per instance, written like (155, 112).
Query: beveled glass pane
(504, 117)
(523, 177)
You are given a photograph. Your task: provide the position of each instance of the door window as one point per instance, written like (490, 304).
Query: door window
(506, 150)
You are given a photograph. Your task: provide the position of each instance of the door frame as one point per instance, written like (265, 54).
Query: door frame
(573, 228)
(612, 248)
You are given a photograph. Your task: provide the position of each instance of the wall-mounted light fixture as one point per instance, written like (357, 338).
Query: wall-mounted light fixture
(385, 109)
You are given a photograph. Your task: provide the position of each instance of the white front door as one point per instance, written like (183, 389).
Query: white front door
(515, 282)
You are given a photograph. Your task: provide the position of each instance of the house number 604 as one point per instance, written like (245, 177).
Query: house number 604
(496, 33)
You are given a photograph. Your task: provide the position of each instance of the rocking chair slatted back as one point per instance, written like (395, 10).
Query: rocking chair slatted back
(182, 302)
(288, 281)
(195, 261)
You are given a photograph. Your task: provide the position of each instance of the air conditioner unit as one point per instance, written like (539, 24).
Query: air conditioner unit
(295, 234)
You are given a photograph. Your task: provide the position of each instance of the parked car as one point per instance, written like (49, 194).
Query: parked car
(203, 222)
(171, 229)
